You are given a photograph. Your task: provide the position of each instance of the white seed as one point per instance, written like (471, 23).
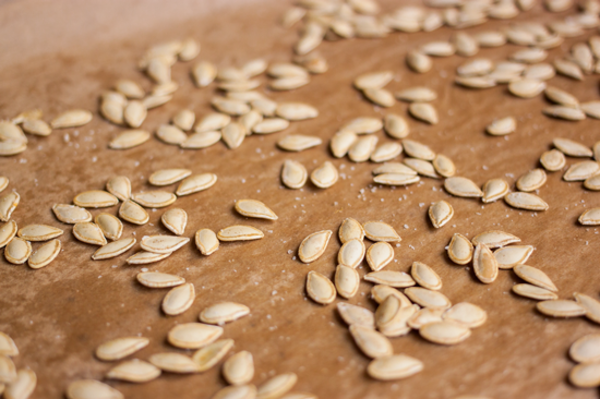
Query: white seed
(591, 306)
(475, 67)
(380, 231)
(511, 256)
(120, 187)
(319, 288)
(418, 61)
(351, 253)
(11, 132)
(396, 179)
(581, 171)
(553, 160)
(254, 67)
(374, 80)
(164, 177)
(495, 239)
(568, 69)
(178, 300)
(427, 298)
(291, 83)
(417, 94)
(110, 225)
(206, 241)
(363, 125)
(296, 111)
(380, 292)
(159, 280)
(162, 90)
(424, 112)
(254, 209)
(501, 127)
(193, 335)
(444, 165)
(134, 114)
(12, 147)
(560, 308)
(298, 142)
(533, 292)
(362, 149)
(350, 229)
(8, 371)
(159, 71)
(44, 254)
(313, 246)
(586, 349)
(8, 346)
(476, 82)
(233, 134)
(445, 332)
(462, 187)
(438, 49)
(223, 312)
(23, 386)
(196, 183)
(324, 176)
(239, 368)
(460, 249)
(541, 71)
(356, 315)
(114, 249)
(532, 180)
(271, 125)
(73, 118)
(592, 183)
(567, 113)
(526, 88)
(395, 126)
(143, 258)
(586, 375)
(211, 122)
(390, 278)
(422, 167)
(239, 233)
(391, 317)
(275, 387)
(286, 70)
(201, 140)
(529, 55)
(3, 183)
(425, 316)
(39, 232)
(154, 199)
(528, 201)
(89, 233)
(466, 45)
(372, 343)
(380, 97)
(120, 348)
(386, 152)
(236, 392)
(37, 127)
(347, 281)
(591, 217)
(204, 73)
(129, 88)
(70, 214)
(134, 370)
(490, 39)
(175, 220)
(425, 276)
(92, 389)
(572, 148)
(591, 109)
(206, 357)
(161, 244)
(95, 199)
(230, 107)
(561, 97)
(440, 213)
(264, 106)
(535, 276)
(467, 314)
(293, 174)
(174, 362)
(132, 213)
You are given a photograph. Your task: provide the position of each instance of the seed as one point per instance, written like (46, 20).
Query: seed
(233, 134)
(394, 168)
(342, 142)
(11, 132)
(501, 127)
(3, 183)
(347, 281)
(444, 165)
(533, 292)
(395, 126)
(286, 70)
(572, 148)
(95, 199)
(235, 392)
(476, 82)
(535, 277)
(560, 308)
(164, 177)
(396, 179)
(591, 109)
(196, 183)
(495, 239)
(380, 231)
(509, 257)
(592, 183)
(110, 225)
(201, 140)
(73, 118)
(568, 69)
(239, 368)
(526, 88)
(313, 63)
(204, 73)
(162, 90)
(162, 244)
(276, 387)
(114, 249)
(390, 278)
(17, 251)
(427, 298)
(70, 214)
(158, 70)
(425, 316)
(39, 232)
(254, 209)
(193, 335)
(438, 49)
(270, 125)
(212, 122)
(540, 71)
(130, 212)
(134, 370)
(154, 199)
(159, 280)
(120, 187)
(351, 253)
(529, 55)
(175, 220)
(224, 312)
(582, 55)
(254, 67)
(418, 150)
(586, 349)
(422, 167)
(362, 149)
(417, 94)
(29, 114)
(462, 187)
(230, 107)
(380, 292)
(440, 213)
(386, 152)
(363, 125)
(372, 343)
(178, 299)
(553, 160)
(532, 180)
(23, 386)
(380, 97)
(374, 80)
(44, 254)
(37, 127)
(445, 332)
(425, 276)
(561, 97)
(296, 111)
(12, 147)
(566, 113)
(313, 246)
(89, 233)
(391, 317)
(528, 201)
(206, 241)
(418, 62)
(591, 306)
(239, 85)
(581, 171)
(465, 44)
(490, 39)
(475, 67)
(8, 203)
(460, 249)
(324, 176)
(591, 217)
(129, 88)
(174, 362)
(92, 389)
(356, 315)
(319, 288)
(291, 83)
(586, 375)
(120, 348)
(143, 257)
(424, 112)
(8, 347)
(134, 114)
(211, 354)
(8, 371)
(293, 174)
(494, 189)
(467, 314)
(350, 229)
(298, 142)
(239, 233)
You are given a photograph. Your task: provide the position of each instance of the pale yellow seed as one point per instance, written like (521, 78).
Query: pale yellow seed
(134, 114)
(206, 241)
(380, 292)
(255, 209)
(201, 140)
(591, 217)
(475, 67)
(567, 113)
(39, 232)
(236, 392)
(319, 288)
(196, 183)
(296, 111)
(154, 199)
(193, 335)
(511, 256)
(501, 127)
(572, 148)
(362, 148)
(223, 312)
(204, 73)
(143, 258)
(374, 80)
(495, 239)
(380, 231)
(95, 199)
(11, 132)
(324, 176)
(586, 375)
(591, 109)
(424, 112)
(391, 317)
(174, 362)
(92, 389)
(363, 125)
(7, 233)
(425, 276)
(532, 180)
(396, 179)
(134, 370)
(417, 94)
(212, 122)
(3, 183)
(386, 152)
(592, 183)
(159, 280)
(132, 213)
(275, 387)
(460, 249)
(162, 244)
(418, 61)
(165, 177)
(239, 368)
(206, 357)
(129, 88)
(438, 49)
(425, 316)
(114, 249)
(8, 371)
(445, 332)
(298, 142)
(541, 71)
(37, 127)
(467, 314)
(239, 233)
(427, 298)
(230, 107)
(8, 203)
(356, 315)
(586, 349)
(535, 276)
(178, 299)
(372, 343)
(462, 187)
(381, 97)
(561, 308)
(553, 160)
(534, 292)
(110, 225)
(264, 106)
(44, 254)
(120, 348)
(526, 88)
(7, 345)
(527, 201)
(175, 220)
(347, 281)
(390, 278)
(70, 214)
(422, 167)
(120, 187)
(444, 165)
(561, 97)
(89, 233)
(440, 213)
(290, 83)
(293, 174)
(494, 190)
(395, 126)
(286, 70)
(23, 386)
(581, 171)
(73, 118)
(270, 125)
(314, 246)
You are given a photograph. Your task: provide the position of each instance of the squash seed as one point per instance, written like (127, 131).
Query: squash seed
(373, 80)
(162, 244)
(239, 233)
(535, 276)
(270, 125)
(129, 89)
(394, 367)
(391, 317)
(561, 97)
(341, 143)
(276, 387)
(592, 182)
(424, 112)
(291, 83)
(254, 209)
(591, 109)
(572, 148)
(90, 389)
(372, 343)
(418, 150)
(201, 140)
(44, 254)
(501, 127)
(581, 171)
(154, 199)
(586, 375)
(175, 220)
(143, 258)
(37, 127)
(184, 119)
(422, 167)
(444, 165)
(526, 88)
(178, 299)
(462, 187)
(286, 70)
(363, 125)
(466, 45)
(362, 149)
(211, 122)
(325, 175)
(380, 292)
(8, 346)
(110, 225)
(416, 94)
(164, 177)
(89, 233)
(132, 213)
(427, 298)
(293, 174)
(532, 180)
(541, 71)
(445, 332)
(193, 335)
(529, 55)
(380, 231)
(566, 113)
(134, 370)
(134, 114)
(476, 82)
(495, 239)
(95, 199)
(418, 61)
(70, 214)
(250, 120)
(440, 213)
(460, 249)
(236, 392)
(553, 160)
(239, 368)
(196, 183)
(8, 203)
(203, 73)
(356, 315)
(39, 232)
(120, 348)
(534, 292)
(174, 362)
(591, 306)
(159, 70)
(586, 349)
(390, 278)
(313, 246)
(206, 241)
(11, 132)
(319, 288)
(591, 217)
(528, 201)
(351, 253)
(475, 67)
(159, 280)
(12, 147)
(206, 357)
(560, 308)
(347, 281)
(114, 249)
(120, 187)
(112, 111)
(467, 314)
(568, 69)
(386, 152)
(509, 257)
(438, 49)
(296, 111)
(395, 126)
(8, 371)
(425, 276)
(230, 107)
(350, 229)
(380, 97)
(72, 118)
(298, 142)
(265, 107)
(396, 179)
(224, 312)
(233, 134)
(3, 183)
(425, 316)
(493, 190)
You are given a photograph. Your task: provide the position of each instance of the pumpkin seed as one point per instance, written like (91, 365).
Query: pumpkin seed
(462, 187)
(493, 190)
(561, 97)
(175, 220)
(134, 114)
(164, 177)
(224, 312)
(265, 107)
(568, 69)
(174, 362)
(211, 354)
(586, 375)
(114, 249)
(286, 70)
(196, 183)
(581, 171)
(239, 233)
(234, 392)
(422, 167)
(129, 88)
(8, 346)
(12, 147)
(529, 55)
(89, 233)
(143, 258)
(325, 175)
(396, 179)
(211, 122)
(193, 335)
(298, 142)
(39, 232)
(416, 94)
(70, 214)
(526, 88)
(239, 368)
(380, 97)
(276, 386)
(229, 107)
(356, 315)
(528, 201)
(586, 349)
(351, 253)
(418, 150)
(11, 132)
(591, 109)
(424, 112)
(72, 118)
(541, 71)
(201, 140)
(425, 276)
(362, 148)
(8, 371)
(347, 281)
(204, 73)
(130, 212)
(466, 45)
(350, 229)
(110, 225)
(395, 126)
(319, 288)
(254, 209)
(427, 298)
(445, 332)
(440, 213)
(178, 300)
(134, 370)
(591, 217)
(363, 125)
(233, 134)
(254, 67)
(120, 187)
(444, 165)
(509, 257)
(567, 113)
(501, 127)
(154, 199)
(592, 182)
(591, 306)
(476, 82)
(37, 127)
(391, 317)
(250, 120)
(90, 389)
(95, 199)
(296, 111)
(158, 70)
(533, 292)
(8, 203)
(44, 254)
(159, 280)
(418, 61)
(314, 246)
(390, 278)
(553, 160)
(120, 348)
(161, 244)
(372, 343)
(572, 148)
(162, 90)
(425, 316)
(380, 292)
(270, 125)
(291, 83)
(475, 67)
(535, 277)
(380, 231)
(460, 249)
(206, 241)
(23, 386)
(560, 308)
(3, 183)
(438, 49)
(467, 314)
(374, 80)
(532, 180)
(293, 174)
(495, 239)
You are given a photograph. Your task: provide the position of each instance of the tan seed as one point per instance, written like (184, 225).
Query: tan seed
(236, 392)
(529, 55)
(233, 134)
(395, 126)
(572, 148)
(114, 249)
(193, 335)
(466, 45)
(254, 67)
(286, 70)
(476, 82)
(134, 370)
(567, 113)
(230, 107)
(424, 112)
(533, 292)
(120, 187)
(162, 244)
(120, 348)
(44, 254)
(12, 147)
(159, 280)
(143, 258)
(175, 220)
(422, 167)
(532, 180)
(380, 231)
(89, 233)
(298, 142)
(3, 183)
(526, 88)
(462, 187)
(396, 179)
(475, 67)
(386, 152)
(568, 69)
(591, 109)
(541, 71)
(363, 125)
(591, 217)
(561, 97)
(174, 362)
(17, 251)
(324, 176)
(380, 292)
(291, 83)
(372, 343)
(350, 229)
(427, 298)
(591, 306)
(438, 49)
(417, 94)
(7, 345)
(37, 127)
(347, 281)
(293, 174)
(586, 349)
(296, 111)
(351, 253)
(445, 332)
(501, 127)
(535, 276)
(319, 288)
(239, 233)
(129, 88)
(39, 232)
(586, 375)
(374, 80)
(425, 276)
(494, 190)
(425, 316)
(110, 225)
(206, 357)
(178, 300)
(8, 371)
(495, 239)
(23, 386)
(255, 209)
(73, 118)
(95, 199)
(201, 140)
(92, 389)
(527, 201)
(270, 125)
(134, 114)
(560, 308)
(362, 149)
(206, 241)
(581, 171)
(239, 368)
(467, 314)
(444, 165)
(391, 317)
(223, 312)
(211, 122)
(196, 183)
(154, 199)
(164, 177)
(314, 246)
(553, 160)
(70, 214)
(390, 278)
(440, 213)
(592, 183)
(356, 315)
(130, 212)
(418, 61)
(511, 256)
(204, 73)
(276, 387)
(460, 249)
(380, 97)
(8, 203)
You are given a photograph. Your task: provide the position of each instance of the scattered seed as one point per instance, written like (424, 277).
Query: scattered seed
(44, 254)
(591, 217)
(380, 97)
(532, 180)
(233, 134)
(585, 375)
(95, 199)
(39, 232)
(156, 101)
(375, 80)
(592, 183)
(509, 257)
(466, 45)
(351, 253)
(425, 316)
(134, 370)
(70, 214)
(591, 306)
(178, 300)
(193, 335)
(293, 174)
(560, 308)
(390, 278)
(254, 209)
(89, 233)
(440, 213)
(291, 83)
(110, 225)
(206, 241)
(501, 127)
(586, 349)
(120, 187)
(174, 362)
(37, 127)
(462, 187)
(363, 125)
(396, 179)
(553, 160)
(238, 391)
(372, 343)
(467, 314)
(130, 212)
(591, 109)
(276, 387)
(239, 368)
(381, 292)
(9, 348)
(581, 171)
(535, 277)
(418, 62)
(325, 175)
(143, 258)
(73, 118)
(270, 125)
(120, 348)
(395, 126)
(362, 149)
(572, 148)
(159, 280)
(162, 244)
(314, 245)
(175, 220)
(356, 315)
(425, 276)
(298, 142)
(417, 94)
(533, 292)
(526, 88)
(561, 97)
(114, 249)
(8, 371)
(224, 312)
(391, 317)
(347, 281)
(296, 111)
(196, 183)
(204, 73)
(350, 229)
(212, 122)
(427, 298)
(206, 357)
(165, 177)
(422, 167)
(91, 389)
(528, 201)
(201, 140)
(154, 199)
(424, 112)
(566, 113)
(8, 203)
(445, 332)
(239, 233)
(460, 249)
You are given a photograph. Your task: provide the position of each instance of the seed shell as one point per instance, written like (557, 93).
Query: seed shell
(440, 213)
(72, 118)
(467, 314)
(493, 190)
(380, 231)
(44, 254)
(92, 389)
(313, 246)
(120, 187)
(89, 233)
(390, 278)
(132, 213)
(425, 276)
(395, 126)
(591, 306)
(206, 241)
(427, 298)
(114, 249)
(527, 201)
(7, 345)
(39, 232)
(380, 292)
(586, 375)
(347, 281)
(462, 187)
(553, 160)
(586, 349)
(193, 335)
(206, 357)
(143, 257)
(120, 348)
(298, 142)
(501, 127)
(319, 288)
(134, 370)
(533, 292)
(293, 174)
(110, 225)
(95, 199)
(532, 180)
(164, 177)
(178, 299)
(445, 332)
(513, 255)
(239, 233)
(175, 220)
(254, 209)
(239, 368)
(581, 171)
(159, 280)
(196, 183)
(572, 148)
(174, 362)
(223, 312)
(70, 214)
(591, 217)
(560, 308)
(424, 112)
(325, 175)
(372, 343)
(460, 249)
(363, 125)
(276, 387)
(362, 148)
(356, 315)
(535, 276)
(162, 244)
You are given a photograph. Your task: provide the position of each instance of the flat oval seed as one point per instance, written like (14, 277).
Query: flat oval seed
(526, 88)
(7, 345)
(206, 357)
(71, 214)
(380, 231)
(39, 232)
(527, 201)
(351, 253)
(495, 239)
(424, 112)
(92, 389)
(276, 386)
(134, 370)
(560, 308)
(350, 229)
(586, 375)
(440, 213)
(501, 127)
(591, 306)
(325, 175)
(233, 134)
(586, 349)
(390, 278)
(44, 254)
(162, 244)
(591, 109)
(255, 209)
(134, 114)
(193, 335)
(394, 367)
(319, 288)
(445, 332)
(380, 97)
(11, 132)
(533, 292)
(572, 148)
(196, 183)
(347, 281)
(212, 122)
(581, 171)
(396, 179)
(114, 249)
(174, 362)
(201, 140)
(460, 249)
(462, 187)
(184, 119)
(511, 256)
(380, 292)
(3, 183)
(95, 199)
(110, 225)
(17, 251)
(372, 343)
(239, 233)
(341, 143)
(271, 125)
(236, 392)
(130, 212)
(129, 139)
(592, 183)
(485, 265)
(425, 316)
(425, 276)
(356, 315)
(444, 165)
(206, 241)
(386, 152)
(467, 314)
(427, 298)
(164, 177)
(239, 368)
(395, 126)
(567, 113)
(293, 174)
(8, 371)
(37, 127)
(561, 97)
(363, 125)
(422, 167)
(159, 280)
(154, 199)
(89, 233)
(379, 255)
(12, 147)
(493, 190)
(416, 94)
(373, 80)
(178, 299)
(175, 220)
(8, 203)
(591, 217)
(298, 142)
(313, 246)
(362, 149)
(532, 180)
(224, 312)
(535, 276)
(72, 118)
(143, 258)
(418, 61)
(119, 348)
(120, 187)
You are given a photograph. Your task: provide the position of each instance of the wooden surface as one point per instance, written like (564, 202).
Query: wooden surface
(59, 55)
